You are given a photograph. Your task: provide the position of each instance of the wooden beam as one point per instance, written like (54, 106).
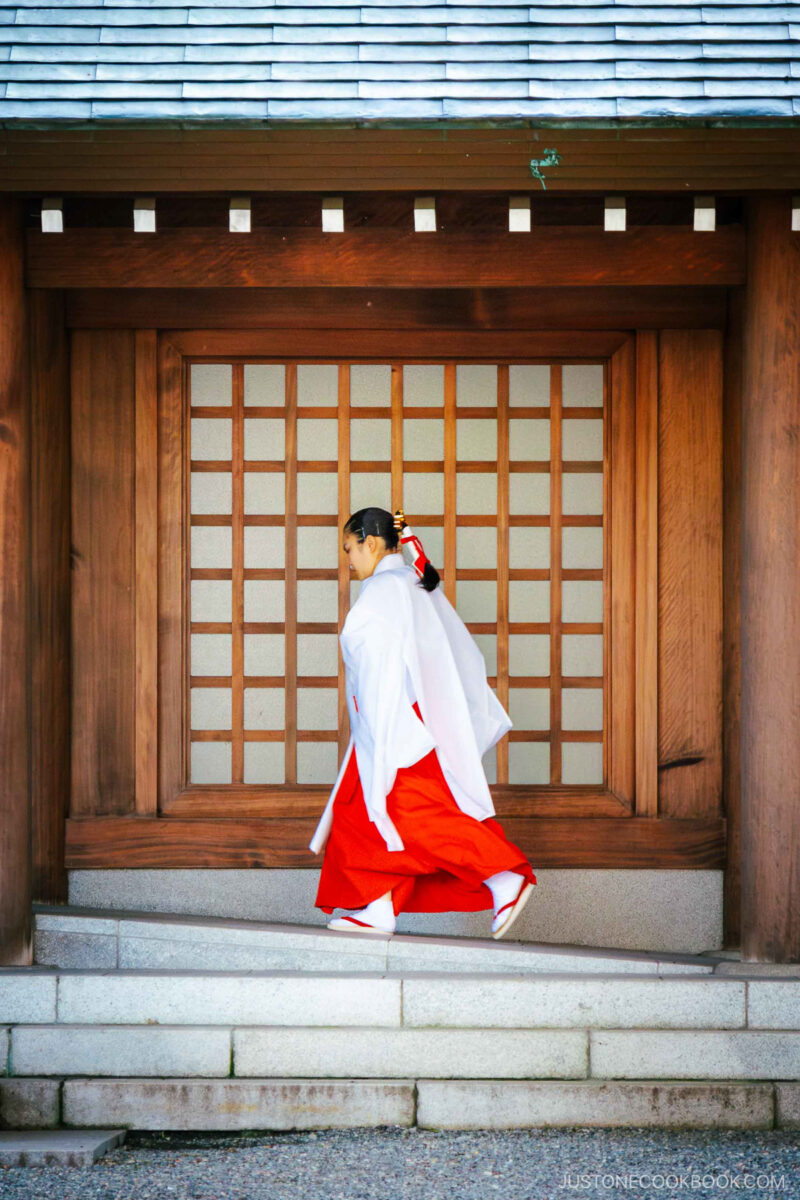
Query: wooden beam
(552, 256)
(588, 842)
(770, 594)
(16, 935)
(398, 308)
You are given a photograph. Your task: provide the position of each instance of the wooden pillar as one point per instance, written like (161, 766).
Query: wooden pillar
(16, 943)
(770, 722)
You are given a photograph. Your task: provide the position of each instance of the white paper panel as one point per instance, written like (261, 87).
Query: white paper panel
(211, 545)
(476, 599)
(528, 762)
(210, 492)
(317, 762)
(264, 438)
(528, 384)
(582, 708)
(370, 438)
(210, 708)
(582, 654)
(423, 439)
(423, 493)
(317, 437)
(265, 383)
(210, 654)
(317, 654)
(582, 439)
(317, 599)
(529, 547)
(582, 494)
(264, 600)
(423, 385)
(318, 383)
(582, 547)
(317, 492)
(476, 386)
(370, 385)
(529, 654)
(489, 761)
(476, 438)
(210, 438)
(582, 384)
(529, 600)
(582, 600)
(529, 493)
(264, 708)
(264, 492)
(264, 654)
(317, 708)
(211, 383)
(264, 546)
(368, 489)
(319, 546)
(487, 644)
(211, 599)
(476, 546)
(264, 762)
(529, 708)
(582, 762)
(210, 762)
(476, 493)
(529, 439)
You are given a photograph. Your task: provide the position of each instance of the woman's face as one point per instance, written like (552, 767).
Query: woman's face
(365, 555)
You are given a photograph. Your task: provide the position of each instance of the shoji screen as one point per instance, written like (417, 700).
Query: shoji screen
(502, 467)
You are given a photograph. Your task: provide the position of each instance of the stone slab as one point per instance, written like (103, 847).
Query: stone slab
(787, 1105)
(773, 1004)
(27, 994)
(228, 1104)
(174, 954)
(119, 1050)
(516, 1104)
(74, 948)
(29, 1103)
(574, 1002)
(694, 1054)
(409, 1053)
(56, 1147)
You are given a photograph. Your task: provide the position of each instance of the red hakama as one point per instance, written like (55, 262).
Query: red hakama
(447, 853)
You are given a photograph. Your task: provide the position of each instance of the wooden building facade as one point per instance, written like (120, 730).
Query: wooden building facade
(219, 342)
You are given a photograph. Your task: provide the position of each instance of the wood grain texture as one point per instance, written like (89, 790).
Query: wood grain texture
(398, 308)
(646, 699)
(145, 568)
(173, 842)
(550, 256)
(103, 594)
(50, 592)
(690, 574)
(770, 592)
(16, 934)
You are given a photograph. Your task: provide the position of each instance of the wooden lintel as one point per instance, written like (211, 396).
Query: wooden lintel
(406, 308)
(551, 256)
(171, 842)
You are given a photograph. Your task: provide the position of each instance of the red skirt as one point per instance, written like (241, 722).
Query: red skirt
(447, 853)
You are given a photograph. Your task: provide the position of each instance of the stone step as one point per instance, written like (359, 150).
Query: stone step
(301, 1103)
(83, 938)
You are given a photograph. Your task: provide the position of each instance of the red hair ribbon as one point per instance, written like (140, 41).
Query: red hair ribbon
(410, 539)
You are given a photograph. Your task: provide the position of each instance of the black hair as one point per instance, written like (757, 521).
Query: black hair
(380, 523)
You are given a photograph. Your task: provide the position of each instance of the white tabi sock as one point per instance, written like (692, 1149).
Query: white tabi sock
(379, 913)
(504, 887)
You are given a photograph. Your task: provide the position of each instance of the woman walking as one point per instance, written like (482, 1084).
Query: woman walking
(408, 826)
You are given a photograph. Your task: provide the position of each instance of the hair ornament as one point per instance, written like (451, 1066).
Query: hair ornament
(410, 539)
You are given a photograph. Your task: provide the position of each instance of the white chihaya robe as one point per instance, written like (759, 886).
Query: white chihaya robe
(399, 640)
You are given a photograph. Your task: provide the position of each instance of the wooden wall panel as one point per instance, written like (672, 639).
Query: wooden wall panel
(103, 552)
(690, 574)
(50, 592)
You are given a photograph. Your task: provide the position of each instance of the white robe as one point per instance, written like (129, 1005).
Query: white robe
(400, 642)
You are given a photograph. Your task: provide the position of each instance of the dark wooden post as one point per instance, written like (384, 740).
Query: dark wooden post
(16, 944)
(770, 726)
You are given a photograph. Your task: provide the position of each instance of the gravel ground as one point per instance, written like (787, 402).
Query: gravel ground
(412, 1164)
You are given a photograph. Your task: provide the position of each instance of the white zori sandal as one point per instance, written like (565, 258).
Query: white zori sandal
(353, 925)
(506, 915)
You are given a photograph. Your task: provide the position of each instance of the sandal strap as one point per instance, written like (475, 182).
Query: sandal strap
(511, 903)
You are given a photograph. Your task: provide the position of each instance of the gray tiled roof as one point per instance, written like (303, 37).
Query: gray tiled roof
(335, 60)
